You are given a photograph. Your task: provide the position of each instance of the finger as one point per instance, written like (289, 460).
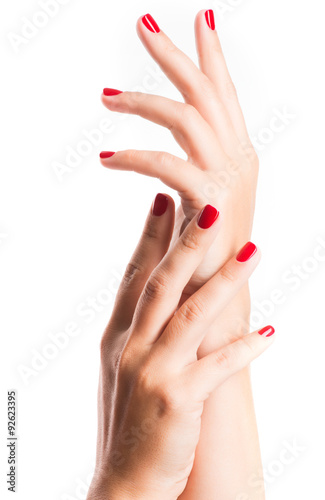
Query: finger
(213, 64)
(164, 287)
(194, 85)
(211, 371)
(151, 248)
(200, 310)
(177, 174)
(190, 130)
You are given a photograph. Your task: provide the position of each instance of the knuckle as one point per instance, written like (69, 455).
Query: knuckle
(132, 99)
(107, 342)
(103, 346)
(131, 156)
(124, 361)
(230, 91)
(163, 159)
(156, 286)
(227, 274)
(133, 269)
(244, 344)
(192, 310)
(164, 392)
(188, 113)
(167, 396)
(151, 230)
(170, 48)
(184, 114)
(223, 359)
(189, 242)
(254, 160)
(248, 153)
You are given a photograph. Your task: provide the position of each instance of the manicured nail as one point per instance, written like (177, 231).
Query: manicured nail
(110, 92)
(208, 216)
(106, 154)
(246, 252)
(209, 17)
(160, 204)
(150, 23)
(267, 331)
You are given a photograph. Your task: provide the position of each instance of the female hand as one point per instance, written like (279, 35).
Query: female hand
(152, 385)
(222, 165)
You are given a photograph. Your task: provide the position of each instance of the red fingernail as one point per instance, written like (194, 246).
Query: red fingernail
(160, 204)
(109, 92)
(106, 154)
(209, 17)
(208, 216)
(150, 23)
(267, 331)
(246, 252)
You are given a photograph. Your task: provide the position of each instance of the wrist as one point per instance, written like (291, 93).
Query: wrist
(121, 488)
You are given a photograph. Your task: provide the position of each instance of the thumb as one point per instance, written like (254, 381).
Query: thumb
(212, 370)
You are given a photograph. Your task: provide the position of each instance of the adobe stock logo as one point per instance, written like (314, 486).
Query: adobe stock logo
(223, 7)
(32, 26)
(290, 452)
(55, 342)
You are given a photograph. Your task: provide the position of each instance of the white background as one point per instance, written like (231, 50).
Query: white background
(63, 242)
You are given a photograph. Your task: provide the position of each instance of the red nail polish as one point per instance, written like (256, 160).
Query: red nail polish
(150, 23)
(209, 17)
(246, 252)
(110, 92)
(267, 331)
(208, 216)
(106, 154)
(160, 204)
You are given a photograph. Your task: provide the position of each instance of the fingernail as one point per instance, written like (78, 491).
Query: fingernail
(110, 92)
(160, 204)
(267, 331)
(106, 154)
(150, 23)
(209, 17)
(208, 216)
(246, 252)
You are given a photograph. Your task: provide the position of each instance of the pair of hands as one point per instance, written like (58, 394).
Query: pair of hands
(222, 166)
(164, 349)
(152, 384)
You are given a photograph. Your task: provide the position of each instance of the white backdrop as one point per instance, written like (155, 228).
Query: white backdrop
(64, 239)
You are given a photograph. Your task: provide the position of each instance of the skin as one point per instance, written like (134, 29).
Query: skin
(152, 385)
(221, 169)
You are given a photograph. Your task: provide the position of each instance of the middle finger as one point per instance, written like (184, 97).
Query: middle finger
(191, 131)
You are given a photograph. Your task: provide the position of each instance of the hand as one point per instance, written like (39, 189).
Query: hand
(222, 165)
(152, 385)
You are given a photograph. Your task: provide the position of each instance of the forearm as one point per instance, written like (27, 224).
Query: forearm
(228, 452)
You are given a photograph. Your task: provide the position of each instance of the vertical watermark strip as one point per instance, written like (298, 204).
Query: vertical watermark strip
(12, 440)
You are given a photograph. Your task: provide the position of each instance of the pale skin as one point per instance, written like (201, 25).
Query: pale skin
(152, 385)
(222, 170)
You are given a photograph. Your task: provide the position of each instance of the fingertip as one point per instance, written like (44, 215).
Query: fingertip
(161, 204)
(146, 24)
(207, 217)
(247, 252)
(267, 331)
(104, 155)
(139, 26)
(199, 16)
(205, 18)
